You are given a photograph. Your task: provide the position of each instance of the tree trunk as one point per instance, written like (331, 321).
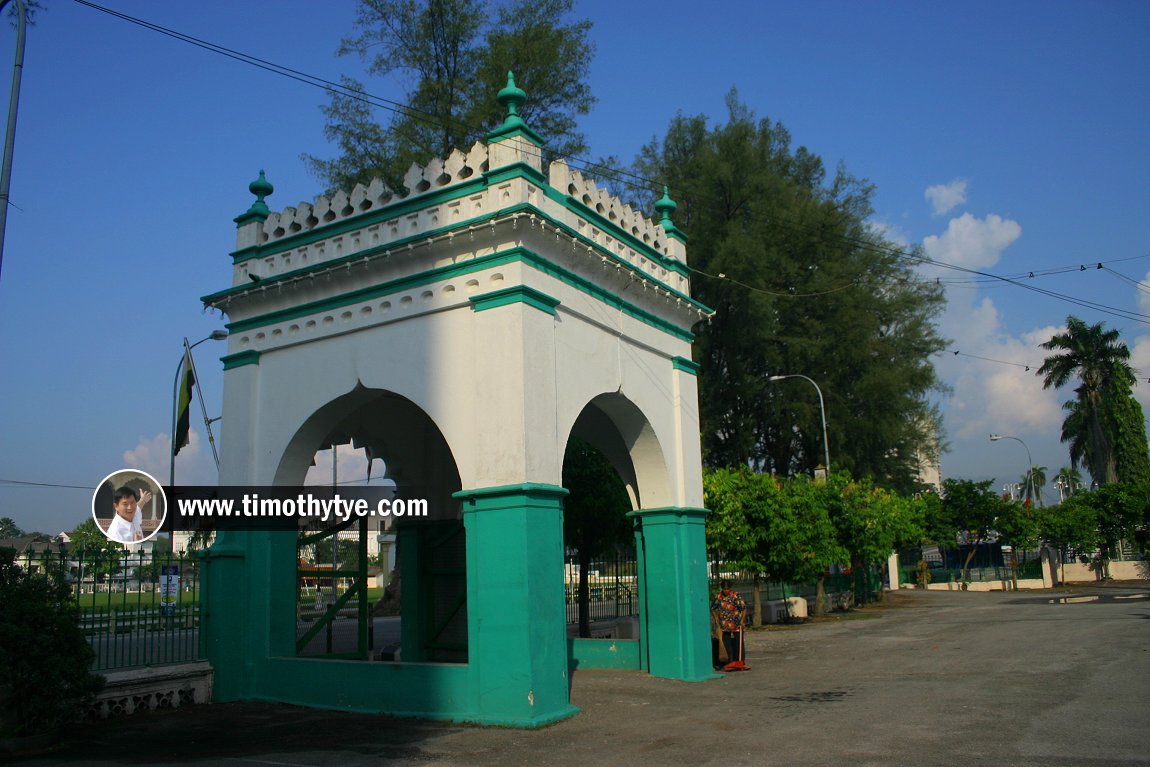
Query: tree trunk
(821, 596)
(757, 591)
(966, 564)
(858, 568)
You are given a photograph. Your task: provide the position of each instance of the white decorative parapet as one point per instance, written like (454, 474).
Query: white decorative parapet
(648, 231)
(437, 174)
(154, 687)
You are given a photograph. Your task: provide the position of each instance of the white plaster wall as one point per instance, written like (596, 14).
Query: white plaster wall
(504, 385)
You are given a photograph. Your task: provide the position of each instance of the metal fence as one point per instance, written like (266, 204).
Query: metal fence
(770, 591)
(137, 608)
(1029, 567)
(612, 585)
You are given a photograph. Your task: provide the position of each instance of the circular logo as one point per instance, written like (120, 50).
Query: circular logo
(129, 506)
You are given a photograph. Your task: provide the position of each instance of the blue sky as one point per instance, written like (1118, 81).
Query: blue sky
(134, 152)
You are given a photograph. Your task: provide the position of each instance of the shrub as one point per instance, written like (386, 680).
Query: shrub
(45, 679)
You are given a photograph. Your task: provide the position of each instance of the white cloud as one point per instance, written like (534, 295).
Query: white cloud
(352, 467)
(993, 380)
(973, 242)
(1144, 296)
(890, 232)
(194, 465)
(946, 197)
(1140, 361)
(993, 389)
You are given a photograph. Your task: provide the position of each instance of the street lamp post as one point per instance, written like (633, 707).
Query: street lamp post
(13, 105)
(1029, 460)
(822, 413)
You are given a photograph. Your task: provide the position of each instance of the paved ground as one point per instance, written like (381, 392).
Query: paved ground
(1028, 678)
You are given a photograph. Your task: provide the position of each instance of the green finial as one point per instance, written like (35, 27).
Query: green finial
(512, 97)
(666, 206)
(261, 188)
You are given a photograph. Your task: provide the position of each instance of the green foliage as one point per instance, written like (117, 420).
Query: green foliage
(456, 54)
(793, 530)
(9, 528)
(1019, 525)
(810, 288)
(595, 511)
(347, 552)
(1119, 508)
(971, 510)
(872, 521)
(44, 656)
(102, 557)
(1104, 424)
(1071, 524)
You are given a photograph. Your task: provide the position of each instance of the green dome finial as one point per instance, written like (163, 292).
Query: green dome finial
(261, 188)
(512, 97)
(666, 206)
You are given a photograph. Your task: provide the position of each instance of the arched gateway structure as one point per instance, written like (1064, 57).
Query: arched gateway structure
(464, 333)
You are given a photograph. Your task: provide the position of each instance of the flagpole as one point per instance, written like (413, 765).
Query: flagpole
(216, 335)
(203, 408)
(175, 408)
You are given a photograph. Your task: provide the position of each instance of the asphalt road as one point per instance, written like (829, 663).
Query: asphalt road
(1028, 678)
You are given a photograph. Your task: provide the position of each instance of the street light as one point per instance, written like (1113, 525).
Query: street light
(1066, 487)
(216, 335)
(1030, 462)
(822, 412)
(13, 105)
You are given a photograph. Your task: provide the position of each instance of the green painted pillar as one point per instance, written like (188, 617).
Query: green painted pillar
(224, 620)
(517, 628)
(674, 612)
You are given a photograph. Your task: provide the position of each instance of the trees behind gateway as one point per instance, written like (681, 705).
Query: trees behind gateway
(456, 55)
(796, 530)
(800, 282)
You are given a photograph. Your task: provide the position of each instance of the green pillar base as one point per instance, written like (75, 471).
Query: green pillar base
(517, 629)
(674, 609)
(223, 624)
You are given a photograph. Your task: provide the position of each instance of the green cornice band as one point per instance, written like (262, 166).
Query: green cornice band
(514, 170)
(239, 359)
(522, 255)
(503, 133)
(686, 365)
(513, 295)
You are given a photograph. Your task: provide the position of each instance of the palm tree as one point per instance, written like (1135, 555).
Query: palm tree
(1098, 359)
(1034, 481)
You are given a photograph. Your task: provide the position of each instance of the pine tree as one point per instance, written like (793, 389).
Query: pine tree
(457, 53)
(800, 284)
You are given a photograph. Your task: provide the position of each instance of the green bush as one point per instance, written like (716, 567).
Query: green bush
(44, 658)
